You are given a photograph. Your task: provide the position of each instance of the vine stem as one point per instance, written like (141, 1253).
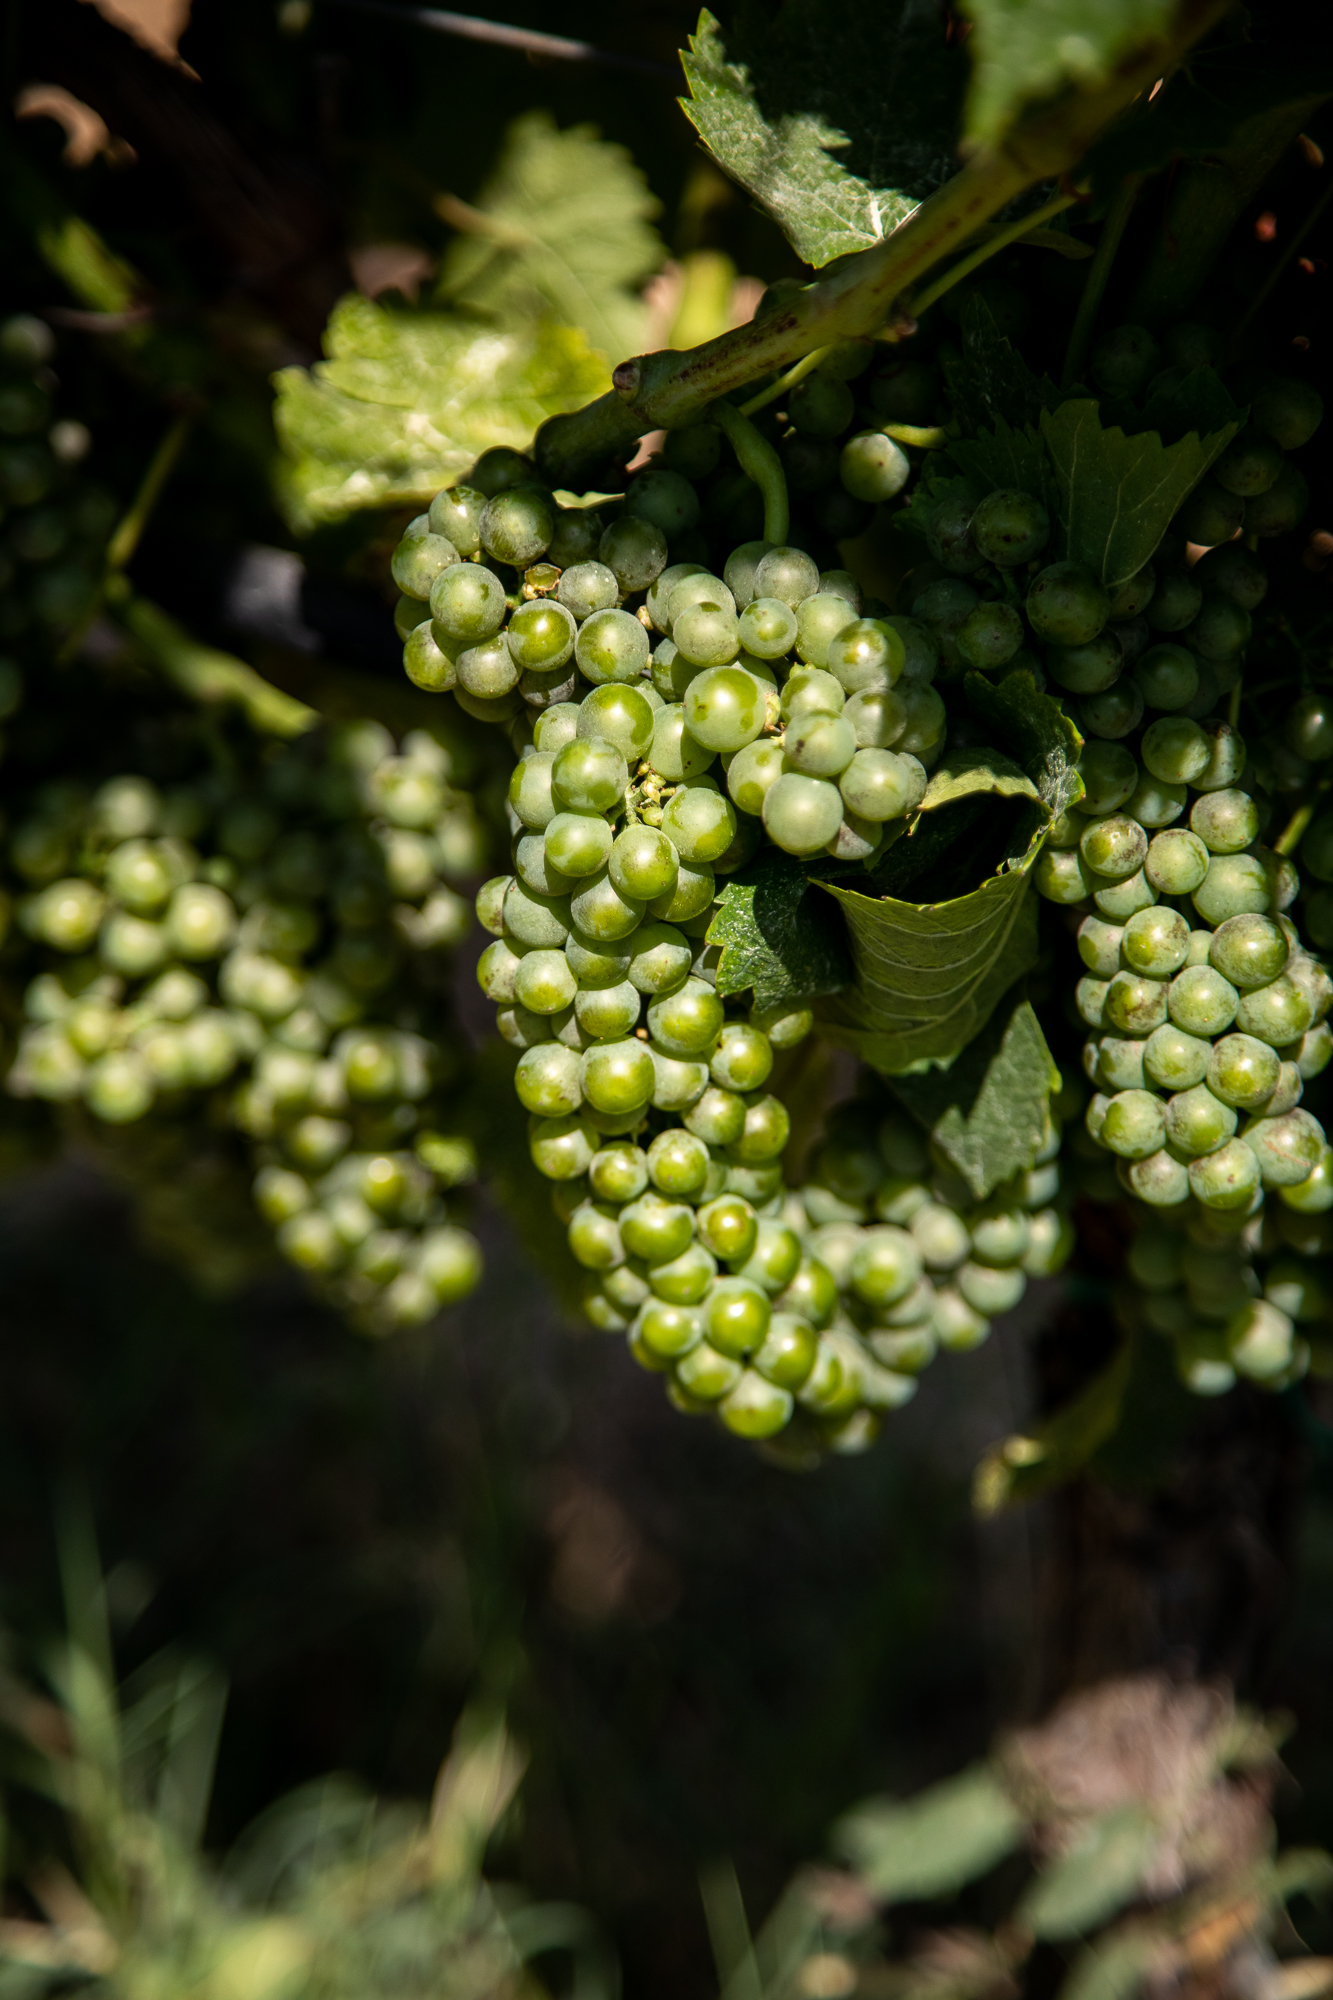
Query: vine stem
(129, 530)
(1294, 831)
(784, 382)
(855, 300)
(760, 462)
(1094, 289)
(1014, 232)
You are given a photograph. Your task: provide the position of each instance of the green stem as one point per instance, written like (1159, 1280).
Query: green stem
(1094, 287)
(760, 462)
(1233, 708)
(211, 678)
(1013, 232)
(1293, 832)
(784, 382)
(129, 531)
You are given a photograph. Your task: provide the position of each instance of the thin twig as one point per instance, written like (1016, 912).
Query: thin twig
(129, 530)
(804, 367)
(471, 28)
(1013, 232)
(1094, 287)
(760, 462)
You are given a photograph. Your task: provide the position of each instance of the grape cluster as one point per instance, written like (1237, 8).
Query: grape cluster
(247, 942)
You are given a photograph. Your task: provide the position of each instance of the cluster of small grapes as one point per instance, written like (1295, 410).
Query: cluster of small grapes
(805, 1314)
(247, 948)
(57, 519)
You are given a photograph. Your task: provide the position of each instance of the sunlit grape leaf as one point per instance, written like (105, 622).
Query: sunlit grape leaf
(1023, 50)
(931, 1845)
(1035, 731)
(839, 116)
(406, 400)
(990, 1110)
(929, 975)
(562, 228)
(778, 934)
(1117, 494)
(1099, 1875)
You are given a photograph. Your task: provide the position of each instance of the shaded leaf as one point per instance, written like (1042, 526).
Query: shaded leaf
(407, 400)
(1184, 401)
(937, 482)
(989, 380)
(1100, 1875)
(1005, 457)
(1028, 49)
(777, 934)
(1117, 494)
(870, 81)
(989, 1112)
(1114, 1967)
(562, 229)
(932, 1844)
(1035, 731)
(1026, 1464)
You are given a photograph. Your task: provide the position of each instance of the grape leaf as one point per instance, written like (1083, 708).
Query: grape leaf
(406, 400)
(931, 1845)
(1006, 457)
(777, 935)
(561, 228)
(929, 975)
(1184, 401)
(871, 81)
(1101, 1873)
(1023, 50)
(990, 1110)
(1117, 494)
(937, 483)
(1035, 731)
(989, 379)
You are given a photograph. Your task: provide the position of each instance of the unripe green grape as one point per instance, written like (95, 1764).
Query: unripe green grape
(1117, 1064)
(132, 946)
(487, 673)
(530, 790)
(767, 628)
(1175, 601)
(1066, 605)
(67, 914)
(618, 1172)
(699, 821)
(634, 548)
(1000, 1235)
(617, 1076)
(736, 1317)
(873, 468)
(1226, 1179)
(1135, 1004)
(1099, 946)
(706, 633)
(1174, 1060)
(603, 912)
(495, 972)
(547, 1080)
(1177, 862)
(1288, 1148)
(1156, 942)
(1309, 731)
(705, 1375)
(787, 1353)
(787, 574)
(655, 1229)
(801, 815)
(1062, 876)
(729, 1228)
(1314, 981)
(693, 589)
(1235, 885)
(660, 958)
(819, 621)
(676, 753)
(1134, 1124)
(988, 1290)
(643, 864)
(611, 646)
(594, 1238)
(626, 1290)
(1243, 1071)
(940, 1236)
(1249, 950)
(1315, 1050)
(949, 536)
(678, 1163)
(669, 1331)
(879, 786)
(1227, 760)
(725, 708)
(885, 1267)
(926, 719)
(1130, 599)
(1167, 677)
(783, 1024)
(540, 636)
(742, 1060)
(544, 982)
(1197, 1122)
(562, 1148)
(691, 897)
(577, 843)
(1114, 846)
(1250, 463)
(1009, 527)
(752, 771)
(765, 1132)
(556, 726)
(686, 1022)
(991, 635)
(821, 406)
(1288, 410)
(774, 1260)
(588, 775)
(811, 691)
(1310, 1197)
(534, 919)
(1114, 713)
(1281, 508)
(417, 562)
(1087, 669)
(1109, 775)
(426, 665)
(718, 1117)
(1277, 1013)
(1201, 1001)
(467, 602)
(819, 746)
(517, 525)
(586, 588)
(866, 654)
(1221, 629)
(1175, 750)
(1210, 515)
(456, 514)
(878, 718)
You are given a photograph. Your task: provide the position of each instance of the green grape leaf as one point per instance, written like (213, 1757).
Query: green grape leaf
(933, 1844)
(1034, 730)
(1006, 457)
(1117, 494)
(990, 1110)
(1023, 50)
(1114, 1968)
(937, 483)
(561, 229)
(870, 81)
(1195, 401)
(988, 379)
(406, 400)
(1099, 1875)
(929, 975)
(1026, 1464)
(777, 935)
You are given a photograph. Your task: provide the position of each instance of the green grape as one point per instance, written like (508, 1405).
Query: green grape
(578, 530)
(925, 724)
(767, 628)
(426, 665)
(1309, 729)
(544, 982)
(562, 1147)
(872, 467)
(678, 1164)
(739, 573)
(990, 636)
(1167, 677)
(784, 1025)
(456, 514)
(1124, 360)
(867, 654)
(1226, 821)
(1135, 1003)
(1130, 599)
(801, 815)
(1115, 712)
(819, 746)
(694, 589)
(1243, 1071)
(588, 775)
(664, 498)
(684, 1280)
(676, 753)
(699, 821)
(1202, 1001)
(540, 635)
(1227, 760)
(467, 603)
(728, 1228)
(1235, 885)
(495, 971)
(693, 450)
(611, 646)
(812, 691)
(607, 1013)
(1099, 946)
(593, 1238)
(752, 771)
(1211, 514)
(686, 1021)
(517, 525)
(878, 718)
(578, 843)
(417, 562)
(490, 904)
(1155, 941)
(134, 947)
(765, 1133)
(775, 1258)
(643, 864)
(705, 632)
(949, 536)
(620, 714)
(1114, 846)
(736, 1317)
(534, 919)
(1197, 1122)
(787, 574)
(1221, 629)
(1177, 863)
(819, 620)
(1281, 508)
(1288, 1148)
(1233, 571)
(1066, 605)
(487, 673)
(1277, 1013)
(787, 1353)
(1315, 1051)
(1175, 750)
(634, 548)
(601, 911)
(1114, 1064)
(1009, 527)
(530, 790)
(821, 406)
(1174, 1060)
(1175, 601)
(691, 897)
(660, 958)
(588, 587)
(1109, 776)
(1062, 876)
(1086, 669)
(617, 1076)
(879, 786)
(1288, 410)
(618, 1172)
(67, 914)
(655, 1229)
(1250, 463)
(742, 1060)
(1226, 1179)
(1313, 1196)
(725, 708)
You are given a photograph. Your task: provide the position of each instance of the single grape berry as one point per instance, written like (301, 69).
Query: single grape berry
(1010, 527)
(1124, 361)
(1067, 605)
(872, 467)
(1289, 411)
